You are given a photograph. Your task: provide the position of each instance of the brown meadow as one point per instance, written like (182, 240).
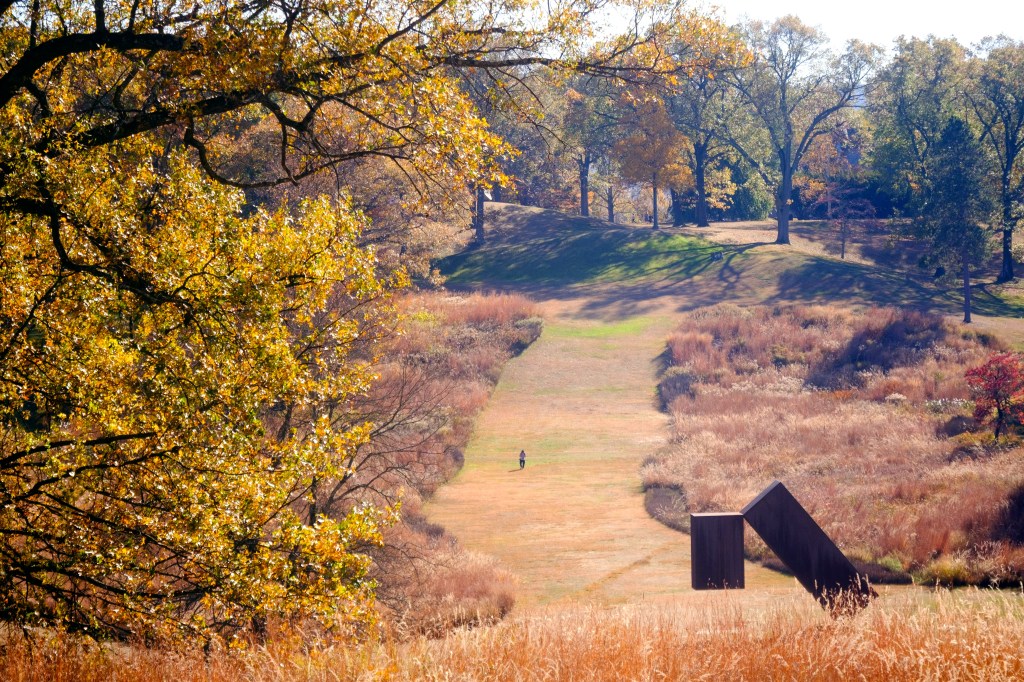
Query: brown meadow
(862, 415)
(949, 636)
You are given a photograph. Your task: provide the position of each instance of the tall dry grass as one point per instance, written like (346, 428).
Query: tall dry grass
(973, 636)
(853, 412)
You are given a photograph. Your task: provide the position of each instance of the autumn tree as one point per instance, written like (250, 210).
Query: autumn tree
(832, 179)
(145, 490)
(791, 90)
(702, 106)
(653, 151)
(998, 389)
(697, 108)
(589, 125)
(996, 96)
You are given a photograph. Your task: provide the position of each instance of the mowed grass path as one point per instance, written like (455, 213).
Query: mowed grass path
(572, 525)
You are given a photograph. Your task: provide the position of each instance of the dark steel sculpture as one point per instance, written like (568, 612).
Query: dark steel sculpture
(790, 532)
(716, 551)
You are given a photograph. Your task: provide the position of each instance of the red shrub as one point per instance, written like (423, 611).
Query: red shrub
(998, 388)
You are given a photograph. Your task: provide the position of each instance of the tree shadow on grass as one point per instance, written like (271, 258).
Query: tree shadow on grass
(621, 274)
(821, 280)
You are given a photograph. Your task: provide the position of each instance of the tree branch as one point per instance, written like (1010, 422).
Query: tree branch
(18, 76)
(106, 440)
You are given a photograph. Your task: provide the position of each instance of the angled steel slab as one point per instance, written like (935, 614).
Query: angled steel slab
(790, 532)
(716, 551)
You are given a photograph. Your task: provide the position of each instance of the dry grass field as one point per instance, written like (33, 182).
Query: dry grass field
(571, 525)
(864, 416)
(435, 378)
(970, 636)
(602, 589)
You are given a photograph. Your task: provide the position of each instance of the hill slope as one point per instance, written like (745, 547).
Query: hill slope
(554, 255)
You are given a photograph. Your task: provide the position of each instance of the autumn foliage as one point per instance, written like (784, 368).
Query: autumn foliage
(998, 390)
(163, 440)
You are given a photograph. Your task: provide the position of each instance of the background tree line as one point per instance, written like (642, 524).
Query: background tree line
(929, 136)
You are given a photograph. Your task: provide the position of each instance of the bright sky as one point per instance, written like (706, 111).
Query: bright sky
(882, 21)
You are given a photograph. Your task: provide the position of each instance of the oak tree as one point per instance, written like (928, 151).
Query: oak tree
(653, 150)
(590, 124)
(996, 96)
(910, 102)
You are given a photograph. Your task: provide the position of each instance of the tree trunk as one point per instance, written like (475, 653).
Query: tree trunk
(611, 204)
(700, 162)
(654, 187)
(1006, 271)
(497, 193)
(966, 268)
(844, 229)
(677, 208)
(478, 215)
(583, 163)
(783, 199)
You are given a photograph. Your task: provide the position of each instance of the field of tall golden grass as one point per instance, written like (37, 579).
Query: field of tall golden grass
(740, 416)
(973, 635)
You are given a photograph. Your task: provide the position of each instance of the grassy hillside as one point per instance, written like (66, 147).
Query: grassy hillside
(536, 249)
(537, 246)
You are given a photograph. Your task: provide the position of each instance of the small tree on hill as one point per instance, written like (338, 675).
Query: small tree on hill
(653, 153)
(958, 203)
(998, 388)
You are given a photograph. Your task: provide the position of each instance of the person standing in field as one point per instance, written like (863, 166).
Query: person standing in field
(522, 459)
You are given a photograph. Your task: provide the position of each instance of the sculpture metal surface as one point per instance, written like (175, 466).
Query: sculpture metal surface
(716, 542)
(801, 544)
(716, 551)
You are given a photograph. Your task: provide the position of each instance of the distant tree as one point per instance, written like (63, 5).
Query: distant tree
(998, 388)
(910, 102)
(832, 181)
(589, 125)
(653, 152)
(751, 200)
(958, 203)
(791, 90)
(719, 190)
(996, 95)
(701, 106)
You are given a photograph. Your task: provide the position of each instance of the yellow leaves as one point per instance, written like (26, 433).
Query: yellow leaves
(655, 148)
(152, 388)
(719, 188)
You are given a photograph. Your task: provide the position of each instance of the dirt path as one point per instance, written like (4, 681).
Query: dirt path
(571, 525)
